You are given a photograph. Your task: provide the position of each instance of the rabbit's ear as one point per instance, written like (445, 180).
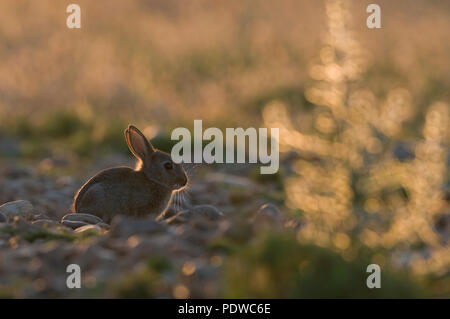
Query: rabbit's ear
(138, 143)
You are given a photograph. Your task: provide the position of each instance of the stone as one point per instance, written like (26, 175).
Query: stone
(87, 218)
(203, 218)
(2, 218)
(19, 208)
(73, 224)
(268, 213)
(207, 211)
(90, 228)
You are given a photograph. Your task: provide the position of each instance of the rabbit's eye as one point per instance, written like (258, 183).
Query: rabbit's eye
(168, 165)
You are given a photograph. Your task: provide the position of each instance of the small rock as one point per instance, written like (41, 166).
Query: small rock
(203, 219)
(20, 208)
(87, 218)
(73, 224)
(268, 213)
(2, 218)
(208, 211)
(93, 228)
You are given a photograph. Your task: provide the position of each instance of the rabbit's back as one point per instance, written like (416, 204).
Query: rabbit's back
(121, 190)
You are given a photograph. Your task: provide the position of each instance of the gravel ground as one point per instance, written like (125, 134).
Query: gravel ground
(38, 240)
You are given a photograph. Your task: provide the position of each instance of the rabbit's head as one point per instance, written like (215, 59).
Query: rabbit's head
(156, 165)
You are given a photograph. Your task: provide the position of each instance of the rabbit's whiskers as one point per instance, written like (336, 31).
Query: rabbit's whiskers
(175, 202)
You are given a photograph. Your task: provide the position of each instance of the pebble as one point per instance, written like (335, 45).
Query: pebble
(87, 218)
(94, 228)
(208, 211)
(268, 213)
(20, 208)
(203, 218)
(73, 224)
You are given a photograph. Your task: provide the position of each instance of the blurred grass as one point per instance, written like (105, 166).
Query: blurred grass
(278, 266)
(68, 131)
(142, 283)
(45, 235)
(163, 64)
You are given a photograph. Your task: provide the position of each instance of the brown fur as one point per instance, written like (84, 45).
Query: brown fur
(139, 192)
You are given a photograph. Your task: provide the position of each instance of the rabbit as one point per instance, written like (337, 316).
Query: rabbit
(140, 192)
